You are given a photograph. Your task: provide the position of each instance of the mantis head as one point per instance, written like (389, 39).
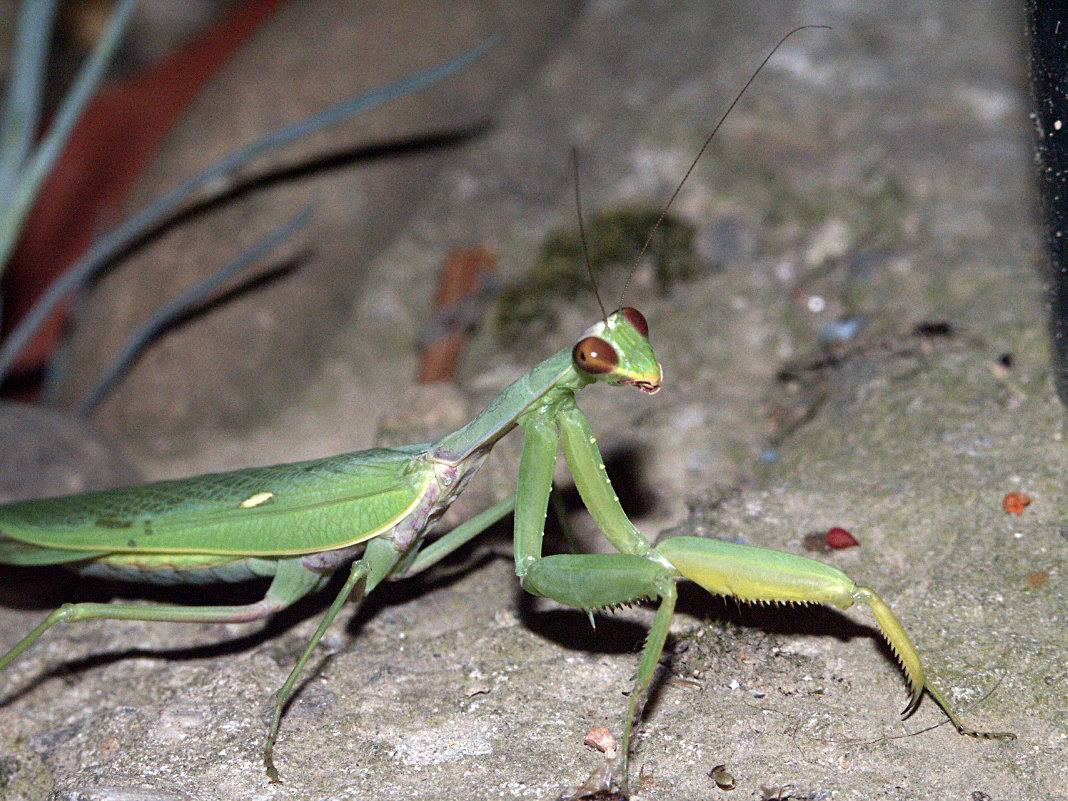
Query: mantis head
(617, 350)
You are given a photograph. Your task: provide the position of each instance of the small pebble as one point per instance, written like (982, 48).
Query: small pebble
(722, 777)
(600, 739)
(840, 538)
(1015, 502)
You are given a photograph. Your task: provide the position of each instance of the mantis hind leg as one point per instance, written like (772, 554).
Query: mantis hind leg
(291, 582)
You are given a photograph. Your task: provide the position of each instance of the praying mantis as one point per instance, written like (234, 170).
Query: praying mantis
(373, 510)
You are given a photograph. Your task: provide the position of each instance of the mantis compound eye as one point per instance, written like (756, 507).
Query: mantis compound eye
(594, 356)
(636, 319)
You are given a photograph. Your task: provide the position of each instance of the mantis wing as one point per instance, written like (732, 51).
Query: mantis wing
(288, 509)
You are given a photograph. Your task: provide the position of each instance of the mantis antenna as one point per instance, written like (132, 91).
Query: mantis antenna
(582, 232)
(693, 164)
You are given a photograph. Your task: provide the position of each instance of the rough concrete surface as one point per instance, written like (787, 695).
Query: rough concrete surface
(877, 174)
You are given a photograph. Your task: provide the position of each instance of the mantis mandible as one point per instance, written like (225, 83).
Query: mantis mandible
(299, 523)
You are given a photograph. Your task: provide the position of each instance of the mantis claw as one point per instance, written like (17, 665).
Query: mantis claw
(914, 702)
(901, 645)
(909, 659)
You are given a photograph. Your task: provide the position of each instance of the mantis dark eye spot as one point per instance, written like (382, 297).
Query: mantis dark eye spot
(594, 356)
(636, 319)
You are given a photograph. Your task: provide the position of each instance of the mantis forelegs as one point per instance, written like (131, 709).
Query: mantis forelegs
(589, 581)
(761, 575)
(642, 572)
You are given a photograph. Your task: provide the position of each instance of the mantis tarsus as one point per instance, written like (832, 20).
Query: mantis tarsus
(298, 523)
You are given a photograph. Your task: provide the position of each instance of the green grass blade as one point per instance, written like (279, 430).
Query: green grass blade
(180, 306)
(39, 165)
(20, 109)
(116, 241)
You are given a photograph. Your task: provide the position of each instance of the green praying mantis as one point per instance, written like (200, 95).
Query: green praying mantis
(372, 510)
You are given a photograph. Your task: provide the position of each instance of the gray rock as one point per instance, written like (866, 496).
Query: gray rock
(44, 452)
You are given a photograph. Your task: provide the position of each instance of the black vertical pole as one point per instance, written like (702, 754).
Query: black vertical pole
(1047, 22)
